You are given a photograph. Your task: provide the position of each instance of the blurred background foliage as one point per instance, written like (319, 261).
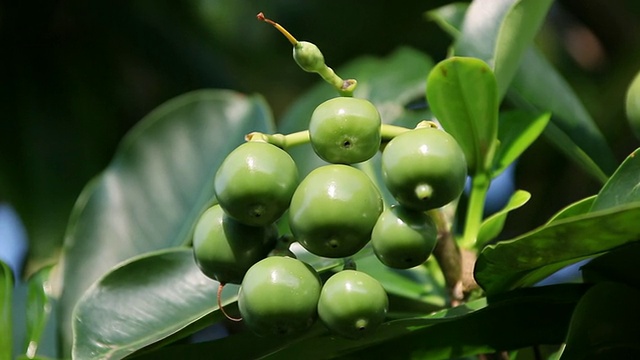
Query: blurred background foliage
(76, 75)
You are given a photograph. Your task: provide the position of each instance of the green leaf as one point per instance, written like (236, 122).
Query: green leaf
(632, 105)
(517, 130)
(142, 301)
(6, 328)
(499, 32)
(577, 208)
(529, 258)
(391, 84)
(517, 31)
(462, 94)
(493, 225)
(39, 307)
(449, 17)
(623, 187)
(157, 185)
(619, 265)
(538, 86)
(605, 324)
(524, 318)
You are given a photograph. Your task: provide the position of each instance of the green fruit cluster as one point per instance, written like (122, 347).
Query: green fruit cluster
(333, 212)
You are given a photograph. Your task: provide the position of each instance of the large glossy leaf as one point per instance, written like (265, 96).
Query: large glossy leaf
(462, 94)
(632, 105)
(391, 84)
(529, 258)
(524, 318)
(605, 324)
(6, 328)
(623, 187)
(517, 130)
(157, 185)
(538, 86)
(142, 301)
(493, 225)
(499, 32)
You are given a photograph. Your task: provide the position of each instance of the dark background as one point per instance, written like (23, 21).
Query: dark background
(76, 75)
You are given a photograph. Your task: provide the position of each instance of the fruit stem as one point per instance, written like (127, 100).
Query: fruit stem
(475, 211)
(344, 87)
(219, 297)
(388, 132)
(282, 141)
(284, 31)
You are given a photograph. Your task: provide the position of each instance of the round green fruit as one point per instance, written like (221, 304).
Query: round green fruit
(345, 130)
(352, 304)
(255, 182)
(333, 211)
(424, 168)
(225, 249)
(279, 296)
(403, 238)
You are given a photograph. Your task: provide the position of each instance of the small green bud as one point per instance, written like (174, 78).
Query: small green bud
(308, 56)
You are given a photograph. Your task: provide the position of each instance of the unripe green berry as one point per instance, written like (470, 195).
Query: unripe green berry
(333, 211)
(352, 304)
(255, 182)
(225, 249)
(345, 130)
(279, 296)
(403, 238)
(424, 168)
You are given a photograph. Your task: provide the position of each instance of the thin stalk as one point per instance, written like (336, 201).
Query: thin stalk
(475, 210)
(279, 27)
(282, 141)
(388, 132)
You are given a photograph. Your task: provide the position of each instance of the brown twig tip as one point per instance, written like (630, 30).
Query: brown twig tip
(261, 17)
